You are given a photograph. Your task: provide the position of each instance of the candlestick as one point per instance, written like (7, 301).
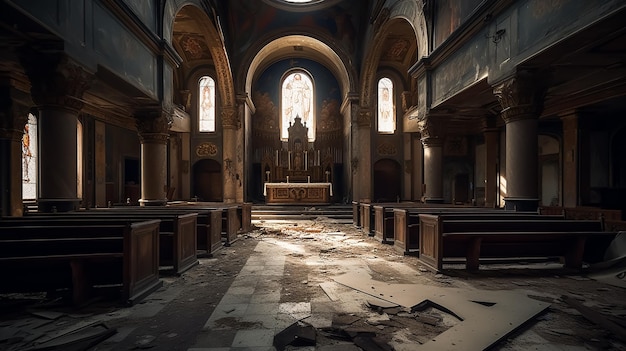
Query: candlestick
(289, 159)
(287, 179)
(308, 178)
(277, 162)
(306, 160)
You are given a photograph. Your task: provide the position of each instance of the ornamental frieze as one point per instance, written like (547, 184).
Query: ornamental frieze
(207, 149)
(387, 149)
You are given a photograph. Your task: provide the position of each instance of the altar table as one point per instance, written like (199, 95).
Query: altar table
(297, 193)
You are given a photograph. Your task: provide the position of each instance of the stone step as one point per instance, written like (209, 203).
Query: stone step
(341, 213)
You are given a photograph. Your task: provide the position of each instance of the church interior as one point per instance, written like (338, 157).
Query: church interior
(396, 110)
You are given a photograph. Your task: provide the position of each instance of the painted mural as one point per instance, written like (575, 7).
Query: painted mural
(327, 98)
(466, 66)
(450, 14)
(251, 19)
(546, 18)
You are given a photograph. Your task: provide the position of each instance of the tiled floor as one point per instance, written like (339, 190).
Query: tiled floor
(253, 300)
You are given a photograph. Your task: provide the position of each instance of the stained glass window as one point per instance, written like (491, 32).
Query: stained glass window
(297, 101)
(386, 107)
(206, 104)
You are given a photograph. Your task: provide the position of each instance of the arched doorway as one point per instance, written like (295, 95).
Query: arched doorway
(387, 180)
(207, 181)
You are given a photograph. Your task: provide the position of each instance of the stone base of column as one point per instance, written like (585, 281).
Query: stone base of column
(433, 200)
(58, 205)
(152, 202)
(520, 204)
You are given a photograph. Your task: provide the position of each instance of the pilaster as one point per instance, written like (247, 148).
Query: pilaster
(231, 124)
(362, 160)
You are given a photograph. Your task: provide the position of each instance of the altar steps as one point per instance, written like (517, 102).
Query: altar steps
(337, 213)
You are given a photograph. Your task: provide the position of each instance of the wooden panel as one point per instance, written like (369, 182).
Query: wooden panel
(185, 245)
(298, 193)
(400, 230)
(141, 260)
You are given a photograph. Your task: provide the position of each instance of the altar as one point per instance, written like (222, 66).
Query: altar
(297, 193)
(297, 172)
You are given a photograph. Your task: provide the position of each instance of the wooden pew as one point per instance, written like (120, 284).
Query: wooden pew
(583, 212)
(235, 217)
(383, 224)
(208, 229)
(472, 239)
(384, 219)
(209, 222)
(80, 258)
(406, 222)
(177, 232)
(356, 214)
(367, 218)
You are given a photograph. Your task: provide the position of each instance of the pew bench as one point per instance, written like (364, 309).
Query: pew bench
(177, 231)
(406, 222)
(81, 258)
(209, 222)
(236, 218)
(444, 238)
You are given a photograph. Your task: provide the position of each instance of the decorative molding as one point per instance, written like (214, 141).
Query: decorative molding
(230, 119)
(207, 149)
(520, 97)
(56, 80)
(387, 149)
(364, 118)
(153, 126)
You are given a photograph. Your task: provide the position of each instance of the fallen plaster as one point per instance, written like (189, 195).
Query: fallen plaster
(613, 267)
(485, 316)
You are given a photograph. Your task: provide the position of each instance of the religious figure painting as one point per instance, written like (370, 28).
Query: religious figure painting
(297, 101)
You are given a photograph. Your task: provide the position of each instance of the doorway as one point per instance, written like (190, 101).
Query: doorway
(207, 181)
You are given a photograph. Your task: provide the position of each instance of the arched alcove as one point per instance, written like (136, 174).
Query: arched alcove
(387, 180)
(207, 181)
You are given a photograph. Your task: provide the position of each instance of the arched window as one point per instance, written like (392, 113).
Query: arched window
(206, 104)
(29, 159)
(386, 107)
(297, 96)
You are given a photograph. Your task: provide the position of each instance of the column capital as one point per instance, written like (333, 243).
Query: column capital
(520, 96)
(364, 117)
(230, 118)
(431, 127)
(56, 80)
(153, 126)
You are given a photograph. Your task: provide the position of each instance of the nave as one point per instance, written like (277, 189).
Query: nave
(283, 272)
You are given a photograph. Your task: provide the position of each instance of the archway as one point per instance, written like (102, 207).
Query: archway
(207, 181)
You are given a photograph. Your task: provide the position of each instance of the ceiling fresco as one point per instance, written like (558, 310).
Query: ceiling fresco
(251, 19)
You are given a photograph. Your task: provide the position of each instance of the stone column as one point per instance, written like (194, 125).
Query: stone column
(13, 117)
(230, 124)
(57, 88)
(432, 140)
(520, 101)
(491, 161)
(153, 128)
(570, 159)
(362, 159)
